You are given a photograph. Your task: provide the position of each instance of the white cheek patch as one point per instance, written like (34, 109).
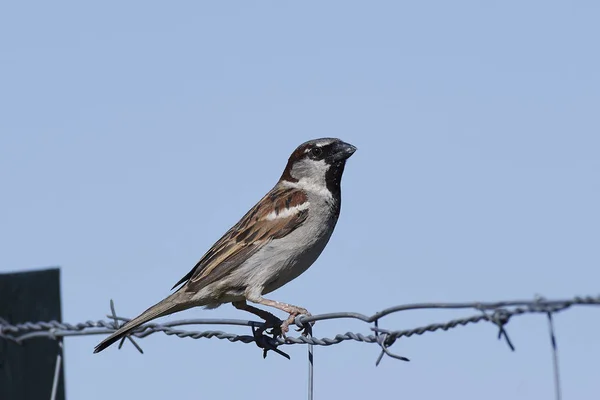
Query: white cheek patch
(288, 212)
(317, 187)
(311, 176)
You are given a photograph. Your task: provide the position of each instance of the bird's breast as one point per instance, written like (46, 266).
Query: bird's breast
(284, 259)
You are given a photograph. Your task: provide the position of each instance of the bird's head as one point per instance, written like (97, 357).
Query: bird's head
(318, 164)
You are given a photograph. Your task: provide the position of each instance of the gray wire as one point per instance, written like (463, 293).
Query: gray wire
(498, 313)
(57, 370)
(311, 361)
(503, 311)
(555, 365)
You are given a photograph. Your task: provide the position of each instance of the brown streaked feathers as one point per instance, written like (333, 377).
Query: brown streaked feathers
(251, 233)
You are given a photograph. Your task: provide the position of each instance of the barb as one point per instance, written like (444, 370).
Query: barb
(498, 313)
(113, 316)
(385, 341)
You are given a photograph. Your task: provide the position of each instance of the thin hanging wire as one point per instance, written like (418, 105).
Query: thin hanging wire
(311, 361)
(57, 370)
(557, 389)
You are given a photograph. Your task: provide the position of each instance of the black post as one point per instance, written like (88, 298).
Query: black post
(27, 369)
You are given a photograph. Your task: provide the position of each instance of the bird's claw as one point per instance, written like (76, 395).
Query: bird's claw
(306, 329)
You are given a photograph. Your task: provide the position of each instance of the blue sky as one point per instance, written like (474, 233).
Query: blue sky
(134, 134)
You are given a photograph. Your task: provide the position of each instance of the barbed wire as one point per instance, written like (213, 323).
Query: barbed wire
(497, 313)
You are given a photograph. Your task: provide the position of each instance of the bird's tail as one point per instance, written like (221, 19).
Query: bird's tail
(169, 305)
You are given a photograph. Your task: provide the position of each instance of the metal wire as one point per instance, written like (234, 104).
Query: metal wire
(498, 313)
(56, 377)
(502, 312)
(311, 360)
(557, 390)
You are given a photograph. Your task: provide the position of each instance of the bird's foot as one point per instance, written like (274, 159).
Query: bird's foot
(285, 326)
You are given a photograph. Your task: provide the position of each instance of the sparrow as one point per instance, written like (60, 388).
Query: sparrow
(278, 239)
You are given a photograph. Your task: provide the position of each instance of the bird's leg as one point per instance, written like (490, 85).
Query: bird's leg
(271, 321)
(294, 311)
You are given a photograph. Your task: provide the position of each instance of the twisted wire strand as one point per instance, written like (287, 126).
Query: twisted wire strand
(501, 312)
(497, 313)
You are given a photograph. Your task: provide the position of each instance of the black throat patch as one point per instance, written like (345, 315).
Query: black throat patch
(333, 180)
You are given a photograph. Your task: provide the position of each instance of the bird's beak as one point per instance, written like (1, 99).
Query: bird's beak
(343, 151)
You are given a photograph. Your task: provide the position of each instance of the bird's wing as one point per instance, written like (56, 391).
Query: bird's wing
(276, 215)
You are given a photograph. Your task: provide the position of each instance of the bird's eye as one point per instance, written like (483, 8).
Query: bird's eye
(316, 152)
